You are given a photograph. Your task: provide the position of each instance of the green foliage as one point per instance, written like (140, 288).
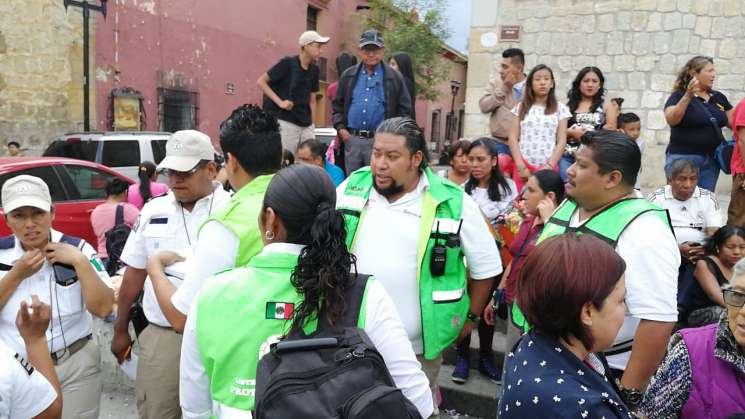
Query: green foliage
(418, 28)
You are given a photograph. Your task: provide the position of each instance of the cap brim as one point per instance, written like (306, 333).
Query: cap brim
(366, 43)
(26, 201)
(178, 163)
(323, 39)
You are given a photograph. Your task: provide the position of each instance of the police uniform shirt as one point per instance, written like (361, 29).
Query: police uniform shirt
(70, 320)
(24, 391)
(692, 216)
(165, 225)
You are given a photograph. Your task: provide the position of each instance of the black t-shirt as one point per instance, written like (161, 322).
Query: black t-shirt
(290, 81)
(695, 133)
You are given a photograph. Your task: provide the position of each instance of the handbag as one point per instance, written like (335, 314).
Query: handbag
(725, 149)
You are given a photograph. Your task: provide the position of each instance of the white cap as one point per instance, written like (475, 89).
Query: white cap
(308, 37)
(25, 191)
(185, 149)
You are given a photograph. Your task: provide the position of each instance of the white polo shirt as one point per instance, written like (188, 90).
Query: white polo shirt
(386, 247)
(692, 216)
(165, 225)
(70, 320)
(24, 391)
(652, 260)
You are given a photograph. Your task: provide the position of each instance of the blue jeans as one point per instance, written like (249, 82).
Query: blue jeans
(708, 169)
(564, 163)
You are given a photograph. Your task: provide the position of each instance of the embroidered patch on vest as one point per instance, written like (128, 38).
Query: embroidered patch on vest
(159, 221)
(25, 364)
(279, 310)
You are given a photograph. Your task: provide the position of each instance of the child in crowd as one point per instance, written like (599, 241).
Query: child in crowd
(538, 134)
(630, 124)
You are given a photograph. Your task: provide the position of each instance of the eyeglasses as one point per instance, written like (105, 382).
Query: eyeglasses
(183, 175)
(733, 298)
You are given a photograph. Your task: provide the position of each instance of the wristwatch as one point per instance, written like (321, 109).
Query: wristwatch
(631, 396)
(472, 318)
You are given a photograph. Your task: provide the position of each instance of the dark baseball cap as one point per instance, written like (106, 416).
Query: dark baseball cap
(372, 37)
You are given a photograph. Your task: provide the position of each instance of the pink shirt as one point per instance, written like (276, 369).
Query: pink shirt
(738, 121)
(134, 197)
(103, 218)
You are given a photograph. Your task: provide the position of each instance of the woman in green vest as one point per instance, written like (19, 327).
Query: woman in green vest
(304, 266)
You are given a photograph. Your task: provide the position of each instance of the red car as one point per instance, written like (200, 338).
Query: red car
(76, 186)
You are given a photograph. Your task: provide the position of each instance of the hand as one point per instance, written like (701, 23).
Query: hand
(64, 253)
(162, 259)
(286, 105)
(694, 87)
(121, 345)
(344, 134)
(546, 207)
(468, 327)
(690, 252)
(32, 322)
(525, 173)
(509, 80)
(489, 313)
(28, 264)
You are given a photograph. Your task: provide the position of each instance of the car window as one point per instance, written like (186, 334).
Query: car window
(82, 150)
(159, 150)
(121, 153)
(90, 183)
(47, 174)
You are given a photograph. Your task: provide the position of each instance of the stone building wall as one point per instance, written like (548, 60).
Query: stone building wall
(41, 72)
(638, 44)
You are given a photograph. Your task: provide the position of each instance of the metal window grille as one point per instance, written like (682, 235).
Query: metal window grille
(435, 134)
(177, 109)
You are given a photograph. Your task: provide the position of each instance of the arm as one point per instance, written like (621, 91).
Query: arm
(494, 96)
(671, 385)
(611, 115)
(650, 342)
(194, 384)
(674, 114)
(98, 297)
(27, 265)
(132, 284)
(404, 99)
(263, 83)
(312, 102)
(513, 143)
(338, 113)
(561, 142)
(164, 289)
(708, 282)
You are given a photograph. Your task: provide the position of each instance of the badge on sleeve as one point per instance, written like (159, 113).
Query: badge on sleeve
(25, 364)
(279, 310)
(97, 264)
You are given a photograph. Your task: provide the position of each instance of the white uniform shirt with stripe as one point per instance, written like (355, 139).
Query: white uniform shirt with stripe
(24, 391)
(692, 216)
(165, 225)
(387, 241)
(70, 320)
(382, 325)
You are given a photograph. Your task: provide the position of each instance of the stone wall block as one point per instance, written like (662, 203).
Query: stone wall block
(605, 23)
(640, 43)
(708, 47)
(662, 42)
(667, 5)
(646, 5)
(730, 81)
(694, 44)
(616, 83)
(614, 43)
(607, 6)
(684, 6)
(703, 26)
(564, 63)
(719, 28)
(595, 44)
(639, 20)
(646, 63)
(662, 82)
(588, 24)
(604, 63)
(630, 98)
(623, 21)
(681, 38)
(652, 100)
(716, 7)
(623, 63)
(666, 64)
(701, 7)
(689, 21)
(637, 81)
(532, 25)
(656, 119)
(723, 66)
(672, 21)
(655, 22)
(583, 61)
(727, 49)
(737, 66)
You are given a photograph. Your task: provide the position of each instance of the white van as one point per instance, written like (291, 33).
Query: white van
(122, 151)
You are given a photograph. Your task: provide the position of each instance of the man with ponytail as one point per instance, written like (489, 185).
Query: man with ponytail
(303, 267)
(412, 229)
(230, 237)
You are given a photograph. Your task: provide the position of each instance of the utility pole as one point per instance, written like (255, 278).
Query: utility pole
(87, 7)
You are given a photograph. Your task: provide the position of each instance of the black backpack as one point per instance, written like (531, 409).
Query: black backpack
(116, 238)
(335, 372)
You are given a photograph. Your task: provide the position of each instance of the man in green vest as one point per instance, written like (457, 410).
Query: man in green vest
(602, 202)
(230, 237)
(413, 231)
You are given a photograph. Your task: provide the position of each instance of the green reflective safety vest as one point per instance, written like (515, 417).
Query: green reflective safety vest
(607, 225)
(241, 217)
(239, 314)
(443, 299)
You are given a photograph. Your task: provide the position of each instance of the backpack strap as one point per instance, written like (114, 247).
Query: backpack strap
(353, 298)
(74, 241)
(7, 242)
(119, 217)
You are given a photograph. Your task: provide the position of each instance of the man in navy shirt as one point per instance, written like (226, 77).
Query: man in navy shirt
(368, 93)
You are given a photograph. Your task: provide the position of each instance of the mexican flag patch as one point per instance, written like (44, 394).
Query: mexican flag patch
(279, 311)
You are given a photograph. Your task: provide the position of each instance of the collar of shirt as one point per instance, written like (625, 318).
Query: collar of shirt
(520, 85)
(206, 202)
(669, 194)
(12, 255)
(407, 198)
(291, 248)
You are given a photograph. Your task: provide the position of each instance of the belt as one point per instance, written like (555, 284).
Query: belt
(71, 350)
(361, 133)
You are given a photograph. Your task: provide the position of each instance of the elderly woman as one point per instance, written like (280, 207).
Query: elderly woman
(576, 309)
(703, 375)
(696, 114)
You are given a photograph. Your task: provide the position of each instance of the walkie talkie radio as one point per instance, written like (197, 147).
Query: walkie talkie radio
(439, 255)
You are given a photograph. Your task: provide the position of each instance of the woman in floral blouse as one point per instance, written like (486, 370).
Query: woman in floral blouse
(703, 374)
(576, 309)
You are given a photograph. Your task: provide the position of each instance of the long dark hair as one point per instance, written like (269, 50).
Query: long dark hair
(550, 181)
(145, 172)
(529, 97)
(343, 61)
(695, 64)
(575, 94)
(713, 243)
(304, 199)
(498, 186)
(406, 68)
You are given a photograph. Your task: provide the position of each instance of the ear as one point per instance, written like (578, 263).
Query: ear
(585, 314)
(613, 179)
(417, 158)
(552, 196)
(231, 162)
